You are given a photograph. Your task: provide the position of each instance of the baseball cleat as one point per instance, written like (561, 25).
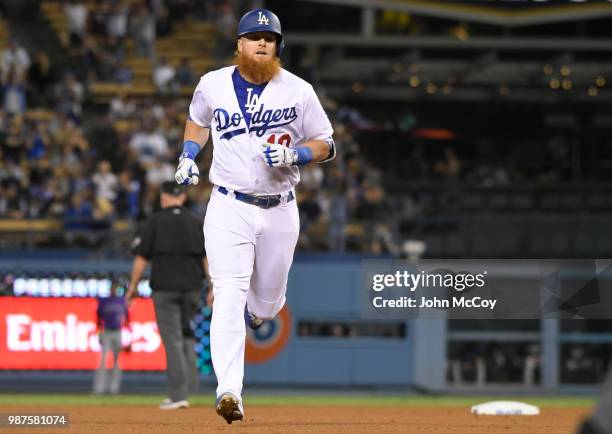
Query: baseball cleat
(168, 404)
(252, 320)
(229, 407)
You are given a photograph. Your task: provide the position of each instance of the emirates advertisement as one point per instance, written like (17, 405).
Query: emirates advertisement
(61, 333)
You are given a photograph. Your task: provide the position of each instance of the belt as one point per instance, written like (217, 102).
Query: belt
(265, 202)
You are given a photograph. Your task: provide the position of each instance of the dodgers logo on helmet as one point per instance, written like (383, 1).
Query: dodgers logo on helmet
(262, 20)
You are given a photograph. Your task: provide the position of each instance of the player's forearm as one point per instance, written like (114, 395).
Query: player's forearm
(140, 263)
(319, 148)
(322, 150)
(196, 134)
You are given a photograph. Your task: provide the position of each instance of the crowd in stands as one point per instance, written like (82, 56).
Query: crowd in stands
(55, 165)
(65, 156)
(349, 189)
(103, 34)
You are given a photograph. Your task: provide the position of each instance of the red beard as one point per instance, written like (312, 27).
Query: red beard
(258, 71)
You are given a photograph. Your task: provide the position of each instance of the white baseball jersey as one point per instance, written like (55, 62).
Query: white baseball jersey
(287, 112)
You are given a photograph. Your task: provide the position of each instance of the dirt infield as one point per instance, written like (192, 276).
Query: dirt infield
(302, 419)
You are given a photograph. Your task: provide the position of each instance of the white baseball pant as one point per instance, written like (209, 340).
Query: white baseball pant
(250, 251)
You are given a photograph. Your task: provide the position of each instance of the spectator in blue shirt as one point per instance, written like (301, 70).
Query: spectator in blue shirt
(79, 215)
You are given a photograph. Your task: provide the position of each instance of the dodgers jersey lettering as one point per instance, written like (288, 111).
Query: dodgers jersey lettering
(247, 94)
(286, 111)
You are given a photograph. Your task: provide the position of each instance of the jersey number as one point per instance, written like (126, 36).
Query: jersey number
(284, 140)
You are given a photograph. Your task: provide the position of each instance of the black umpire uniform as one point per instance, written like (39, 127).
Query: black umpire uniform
(172, 239)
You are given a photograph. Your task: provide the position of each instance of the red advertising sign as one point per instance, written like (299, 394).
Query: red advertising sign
(61, 333)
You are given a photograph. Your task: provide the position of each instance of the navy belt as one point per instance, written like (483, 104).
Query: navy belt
(265, 202)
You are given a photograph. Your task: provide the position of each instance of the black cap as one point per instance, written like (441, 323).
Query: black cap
(171, 187)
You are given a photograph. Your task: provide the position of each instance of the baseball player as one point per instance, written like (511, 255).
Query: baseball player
(265, 123)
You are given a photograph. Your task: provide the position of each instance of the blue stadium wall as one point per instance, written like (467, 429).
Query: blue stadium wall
(323, 289)
(330, 292)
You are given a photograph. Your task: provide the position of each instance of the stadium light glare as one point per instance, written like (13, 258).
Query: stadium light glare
(566, 84)
(548, 69)
(600, 81)
(415, 81)
(593, 91)
(555, 83)
(566, 70)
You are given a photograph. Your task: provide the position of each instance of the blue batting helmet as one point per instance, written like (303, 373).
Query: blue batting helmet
(262, 20)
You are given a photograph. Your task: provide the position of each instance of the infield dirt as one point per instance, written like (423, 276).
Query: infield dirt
(301, 419)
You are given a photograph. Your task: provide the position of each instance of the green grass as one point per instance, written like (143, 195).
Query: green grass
(357, 400)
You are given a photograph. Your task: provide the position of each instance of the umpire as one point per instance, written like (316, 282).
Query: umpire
(173, 241)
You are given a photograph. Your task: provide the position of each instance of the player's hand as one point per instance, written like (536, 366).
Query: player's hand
(187, 172)
(278, 155)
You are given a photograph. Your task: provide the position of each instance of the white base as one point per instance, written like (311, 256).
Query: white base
(505, 408)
